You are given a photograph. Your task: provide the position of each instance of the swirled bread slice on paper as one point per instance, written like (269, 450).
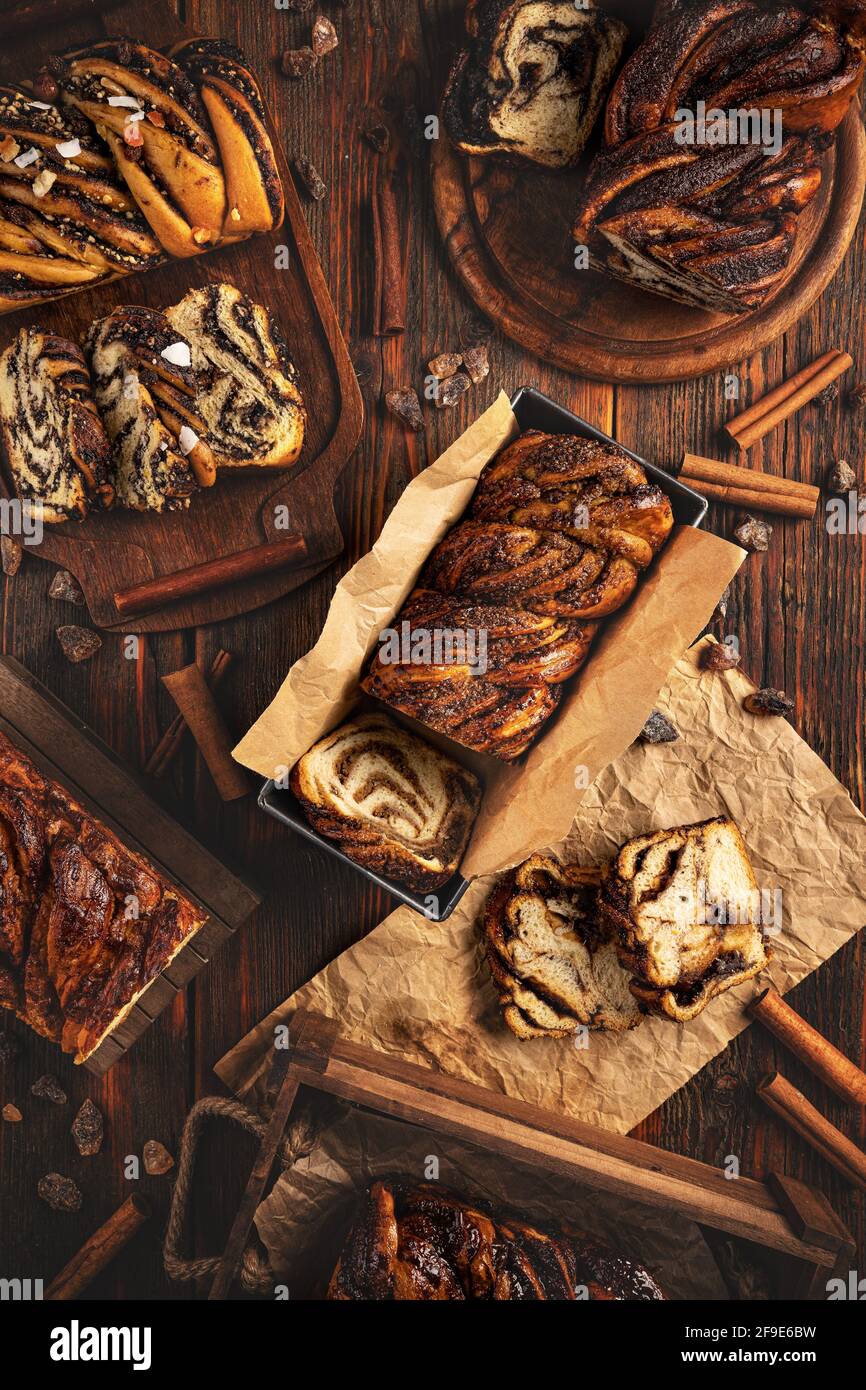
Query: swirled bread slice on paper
(553, 959)
(145, 388)
(231, 96)
(56, 449)
(686, 910)
(248, 394)
(532, 82)
(592, 491)
(390, 800)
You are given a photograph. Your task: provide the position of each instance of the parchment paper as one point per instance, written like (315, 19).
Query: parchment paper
(603, 708)
(422, 990)
(304, 1220)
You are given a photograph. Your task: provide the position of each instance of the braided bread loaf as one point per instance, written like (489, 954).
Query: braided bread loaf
(391, 801)
(54, 442)
(714, 224)
(559, 529)
(420, 1242)
(533, 81)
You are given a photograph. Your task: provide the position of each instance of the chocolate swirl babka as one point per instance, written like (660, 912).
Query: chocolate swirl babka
(390, 801)
(713, 223)
(685, 908)
(420, 1242)
(85, 923)
(560, 528)
(56, 449)
(532, 82)
(248, 394)
(145, 387)
(66, 221)
(551, 954)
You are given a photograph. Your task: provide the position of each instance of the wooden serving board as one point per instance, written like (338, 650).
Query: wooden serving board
(65, 749)
(508, 235)
(122, 548)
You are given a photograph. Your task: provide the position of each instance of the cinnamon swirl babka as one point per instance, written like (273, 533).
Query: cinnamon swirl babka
(391, 801)
(552, 956)
(560, 527)
(677, 209)
(532, 82)
(421, 1242)
(85, 923)
(686, 911)
(145, 387)
(56, 449)
(247, 394)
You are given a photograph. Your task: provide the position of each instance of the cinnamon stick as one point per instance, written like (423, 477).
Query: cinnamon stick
(196, 703)
(290, 552)
(98, 1252)
(390, 287)
(786, 398)
(835, 1069)
(792, 1106)
(732, 475)
(753, 499)
(170, 744)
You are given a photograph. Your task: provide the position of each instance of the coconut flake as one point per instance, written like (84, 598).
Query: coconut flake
(187, 440)
(68, 148)
(28, 157)
(43, 182)
(40, 105)
(131, 102)
(177, 354)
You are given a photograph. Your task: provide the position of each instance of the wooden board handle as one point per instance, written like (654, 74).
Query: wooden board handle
(213, 574)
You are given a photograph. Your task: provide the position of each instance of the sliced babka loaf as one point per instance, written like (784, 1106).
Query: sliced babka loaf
(231, 97)
(56, 449)
(391, 801)
(532, 83)
(65, 218)
(248, 393)
(145, 388)
(147, 110)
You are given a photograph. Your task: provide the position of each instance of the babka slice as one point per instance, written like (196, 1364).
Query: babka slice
(552, 957)
(532, 83)
(248, 393)
(145, 388)
(231, 97)
(147, 110)
(686, 910)
(56, 449)
(391, 801)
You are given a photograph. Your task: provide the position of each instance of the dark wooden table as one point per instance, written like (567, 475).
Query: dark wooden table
(798, 612)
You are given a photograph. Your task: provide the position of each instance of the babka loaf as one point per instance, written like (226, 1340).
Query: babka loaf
(145, 388)
(231, 97)
(686, 911)
(390, 801)
(56, 449)
(533, 80)
(552, 956)
(66, 221)
(559, 529)
(582, 488)
(421, 1242)
(683, 213)
(85, 922)
(248, 394)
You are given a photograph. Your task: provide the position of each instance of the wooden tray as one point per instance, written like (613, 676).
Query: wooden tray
(508, 235)
(65, 749)
(781, 1215)
(111, 552)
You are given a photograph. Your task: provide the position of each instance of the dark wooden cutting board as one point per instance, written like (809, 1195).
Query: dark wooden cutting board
(66, 750)
(121, 548)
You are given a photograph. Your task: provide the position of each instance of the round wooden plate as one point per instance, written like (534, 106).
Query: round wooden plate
(508, 235)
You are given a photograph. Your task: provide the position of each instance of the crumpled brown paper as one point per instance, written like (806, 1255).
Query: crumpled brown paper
(423, 991)
(602, 710)
(304, 1220)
